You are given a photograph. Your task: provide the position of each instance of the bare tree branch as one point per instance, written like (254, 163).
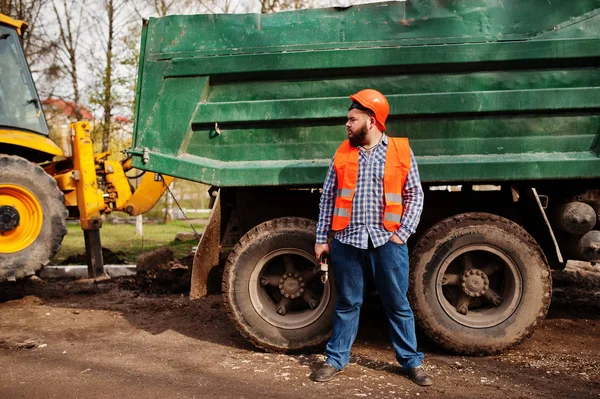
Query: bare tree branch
(68, 45)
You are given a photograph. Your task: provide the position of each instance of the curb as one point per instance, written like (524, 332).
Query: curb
(81, 271)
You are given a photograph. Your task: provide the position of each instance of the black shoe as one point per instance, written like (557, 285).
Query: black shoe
(325, 373)
(419, 376)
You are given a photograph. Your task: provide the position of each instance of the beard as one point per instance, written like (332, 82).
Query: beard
(358, 137)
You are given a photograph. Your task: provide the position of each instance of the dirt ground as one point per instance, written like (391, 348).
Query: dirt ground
(110, 340)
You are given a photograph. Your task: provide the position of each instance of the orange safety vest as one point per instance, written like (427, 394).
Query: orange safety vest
(397, 165)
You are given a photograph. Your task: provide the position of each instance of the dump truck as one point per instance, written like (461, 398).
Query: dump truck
(43, 184)
(499, 101)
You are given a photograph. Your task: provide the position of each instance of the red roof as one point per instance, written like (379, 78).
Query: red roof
(122, 119)
(68, 108)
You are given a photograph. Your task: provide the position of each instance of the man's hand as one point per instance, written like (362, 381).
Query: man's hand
(394, 238)
(320, 249)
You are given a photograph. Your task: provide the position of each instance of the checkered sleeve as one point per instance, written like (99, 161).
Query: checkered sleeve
(327, 205)
(413, 201)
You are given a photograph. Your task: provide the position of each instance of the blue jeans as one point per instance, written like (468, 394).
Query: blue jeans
(388, 265)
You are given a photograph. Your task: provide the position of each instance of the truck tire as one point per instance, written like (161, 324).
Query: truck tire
(479, 284)
(271, 290)
(32, 218)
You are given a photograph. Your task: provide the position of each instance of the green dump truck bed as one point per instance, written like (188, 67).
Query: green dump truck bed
(485, 90)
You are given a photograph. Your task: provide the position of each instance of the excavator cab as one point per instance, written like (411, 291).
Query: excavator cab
(23, 127)
(20, 106)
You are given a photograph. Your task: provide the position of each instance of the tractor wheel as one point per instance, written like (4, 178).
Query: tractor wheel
(479, 284)
(32, 218)
(273, 295)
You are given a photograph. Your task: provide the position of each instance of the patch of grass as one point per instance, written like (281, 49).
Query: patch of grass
(121, 237)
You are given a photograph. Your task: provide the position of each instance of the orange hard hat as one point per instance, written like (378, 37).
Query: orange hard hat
(376, 102)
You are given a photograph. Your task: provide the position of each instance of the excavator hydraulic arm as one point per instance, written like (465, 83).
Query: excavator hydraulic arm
(82, 184)
(81, 189)
(149, 191)
(151, 187)
(90, 199)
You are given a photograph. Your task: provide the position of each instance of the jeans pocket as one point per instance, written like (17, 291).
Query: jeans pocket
(397, 243)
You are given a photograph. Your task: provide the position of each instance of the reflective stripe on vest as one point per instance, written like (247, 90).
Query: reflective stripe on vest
(389, 197)
(345, 192)
(397, 165)
(341, 212)
(392, 217)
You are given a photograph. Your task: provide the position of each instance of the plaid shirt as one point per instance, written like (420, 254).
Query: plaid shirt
(368, 204)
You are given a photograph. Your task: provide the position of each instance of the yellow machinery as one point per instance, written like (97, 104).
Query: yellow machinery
(42, 184)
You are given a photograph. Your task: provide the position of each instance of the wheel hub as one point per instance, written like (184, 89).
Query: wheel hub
(9, 218)
(25, 204)
(474, 282)
(291, 285)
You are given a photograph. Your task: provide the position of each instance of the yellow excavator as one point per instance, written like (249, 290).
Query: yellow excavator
(43, 184)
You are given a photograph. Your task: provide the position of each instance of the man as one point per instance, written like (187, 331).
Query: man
(372, 199)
